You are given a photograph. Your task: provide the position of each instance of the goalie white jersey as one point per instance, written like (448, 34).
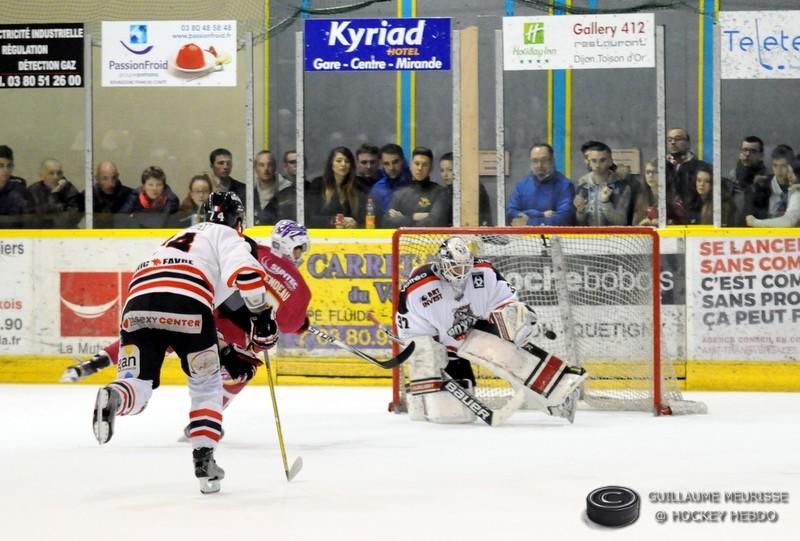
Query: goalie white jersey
(428, 306)
(205, 262)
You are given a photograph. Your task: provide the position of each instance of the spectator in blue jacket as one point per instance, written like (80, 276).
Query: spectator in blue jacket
(396, 175)
(545, 196)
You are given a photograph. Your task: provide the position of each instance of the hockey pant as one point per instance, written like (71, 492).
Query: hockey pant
(151, 324)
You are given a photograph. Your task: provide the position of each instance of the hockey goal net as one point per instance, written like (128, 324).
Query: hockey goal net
(596, 293)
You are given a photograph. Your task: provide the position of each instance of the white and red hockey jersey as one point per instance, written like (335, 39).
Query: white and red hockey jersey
(427, 306)
(206, 262)
(285, 287)
(287, 292)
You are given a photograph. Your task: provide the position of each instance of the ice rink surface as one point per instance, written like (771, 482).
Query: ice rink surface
(371, 475)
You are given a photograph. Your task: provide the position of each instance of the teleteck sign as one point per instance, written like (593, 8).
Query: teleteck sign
(760, 44)
(377, 44)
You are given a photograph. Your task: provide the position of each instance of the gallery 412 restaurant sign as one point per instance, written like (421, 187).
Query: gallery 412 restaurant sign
(377, 44)
(41, 55)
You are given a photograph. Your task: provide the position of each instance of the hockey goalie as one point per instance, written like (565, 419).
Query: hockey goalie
(459, 310)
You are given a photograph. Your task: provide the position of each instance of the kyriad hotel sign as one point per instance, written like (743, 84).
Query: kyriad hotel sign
(579, 42)
(377, 44)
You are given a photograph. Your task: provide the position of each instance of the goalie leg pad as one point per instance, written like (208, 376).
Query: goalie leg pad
(548, 380)
(427, 399)
(443, 407)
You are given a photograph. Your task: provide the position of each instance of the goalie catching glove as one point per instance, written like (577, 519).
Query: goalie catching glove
(263, 330)
(515, 322)
(240, 364)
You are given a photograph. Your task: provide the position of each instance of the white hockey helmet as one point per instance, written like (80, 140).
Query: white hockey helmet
(290, 239)
(453, 263)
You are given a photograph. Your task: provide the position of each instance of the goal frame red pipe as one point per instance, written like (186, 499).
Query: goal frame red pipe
(659, 408)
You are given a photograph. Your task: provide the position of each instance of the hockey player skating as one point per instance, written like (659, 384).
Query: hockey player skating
(169, 304)
(461, 309)
(288, 293)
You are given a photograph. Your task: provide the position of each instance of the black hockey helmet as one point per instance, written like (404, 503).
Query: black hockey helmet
(225, 208)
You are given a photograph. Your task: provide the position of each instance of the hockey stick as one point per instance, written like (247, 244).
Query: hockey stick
(391, 363)
(482, 411)
(298, 462)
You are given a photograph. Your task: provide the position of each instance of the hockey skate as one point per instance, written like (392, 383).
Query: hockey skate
(105, 410)
(85, 369)
(206, 470)
(568, 407)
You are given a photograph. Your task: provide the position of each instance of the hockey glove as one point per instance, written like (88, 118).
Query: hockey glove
(263, 330)
(240, 364)
(515, 322)
(85, 369)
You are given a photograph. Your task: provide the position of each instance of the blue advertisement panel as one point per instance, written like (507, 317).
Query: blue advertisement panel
(377, 44)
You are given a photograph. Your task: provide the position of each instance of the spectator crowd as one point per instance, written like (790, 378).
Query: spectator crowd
(380, 187)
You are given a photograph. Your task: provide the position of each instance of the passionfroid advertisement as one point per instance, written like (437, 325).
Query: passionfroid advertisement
(169, 53)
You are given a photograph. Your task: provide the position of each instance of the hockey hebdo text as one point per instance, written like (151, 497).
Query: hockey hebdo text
(715, 507)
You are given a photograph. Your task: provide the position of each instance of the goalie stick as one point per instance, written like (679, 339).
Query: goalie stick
(482, 411)
(298, 462)
(391, 363)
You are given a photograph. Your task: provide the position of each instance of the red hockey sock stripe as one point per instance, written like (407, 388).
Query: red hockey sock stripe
(205, 412)
(127, 393)
(214, 436)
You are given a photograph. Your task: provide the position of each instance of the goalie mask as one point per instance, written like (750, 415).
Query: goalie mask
(290, 239)
(453, 263)
(225, 208)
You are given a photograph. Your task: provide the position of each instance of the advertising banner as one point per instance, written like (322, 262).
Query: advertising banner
(347, 279)
(744, 302)
(17, 303)
(760, 44)
(377, 44)
(169, 53)
(579, 42)
(41, 55)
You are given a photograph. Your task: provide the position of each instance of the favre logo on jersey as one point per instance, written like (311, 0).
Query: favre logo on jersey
(91, 302)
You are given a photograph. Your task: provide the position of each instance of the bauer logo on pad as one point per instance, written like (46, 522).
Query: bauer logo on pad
(91, 302)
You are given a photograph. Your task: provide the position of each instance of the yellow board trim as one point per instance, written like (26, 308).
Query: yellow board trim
(290, 371)
(777, 376)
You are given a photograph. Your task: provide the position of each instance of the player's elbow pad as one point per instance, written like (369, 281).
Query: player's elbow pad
(255, 300)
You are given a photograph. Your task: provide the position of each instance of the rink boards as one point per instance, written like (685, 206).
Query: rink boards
(730, 304)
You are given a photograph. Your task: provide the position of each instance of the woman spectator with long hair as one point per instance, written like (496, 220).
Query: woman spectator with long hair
(336, 192)
(645, 210)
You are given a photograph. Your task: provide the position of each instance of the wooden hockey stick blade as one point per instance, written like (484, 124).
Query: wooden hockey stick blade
(391, 363)
(297, 465)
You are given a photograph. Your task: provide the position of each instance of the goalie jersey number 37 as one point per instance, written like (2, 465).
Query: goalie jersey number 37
(429, 306)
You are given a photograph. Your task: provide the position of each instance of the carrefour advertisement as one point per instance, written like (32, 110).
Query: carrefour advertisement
(745, 298)
(169, 53)
(760, 44)
(579, 42)
(377, 44)
(348, 279)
